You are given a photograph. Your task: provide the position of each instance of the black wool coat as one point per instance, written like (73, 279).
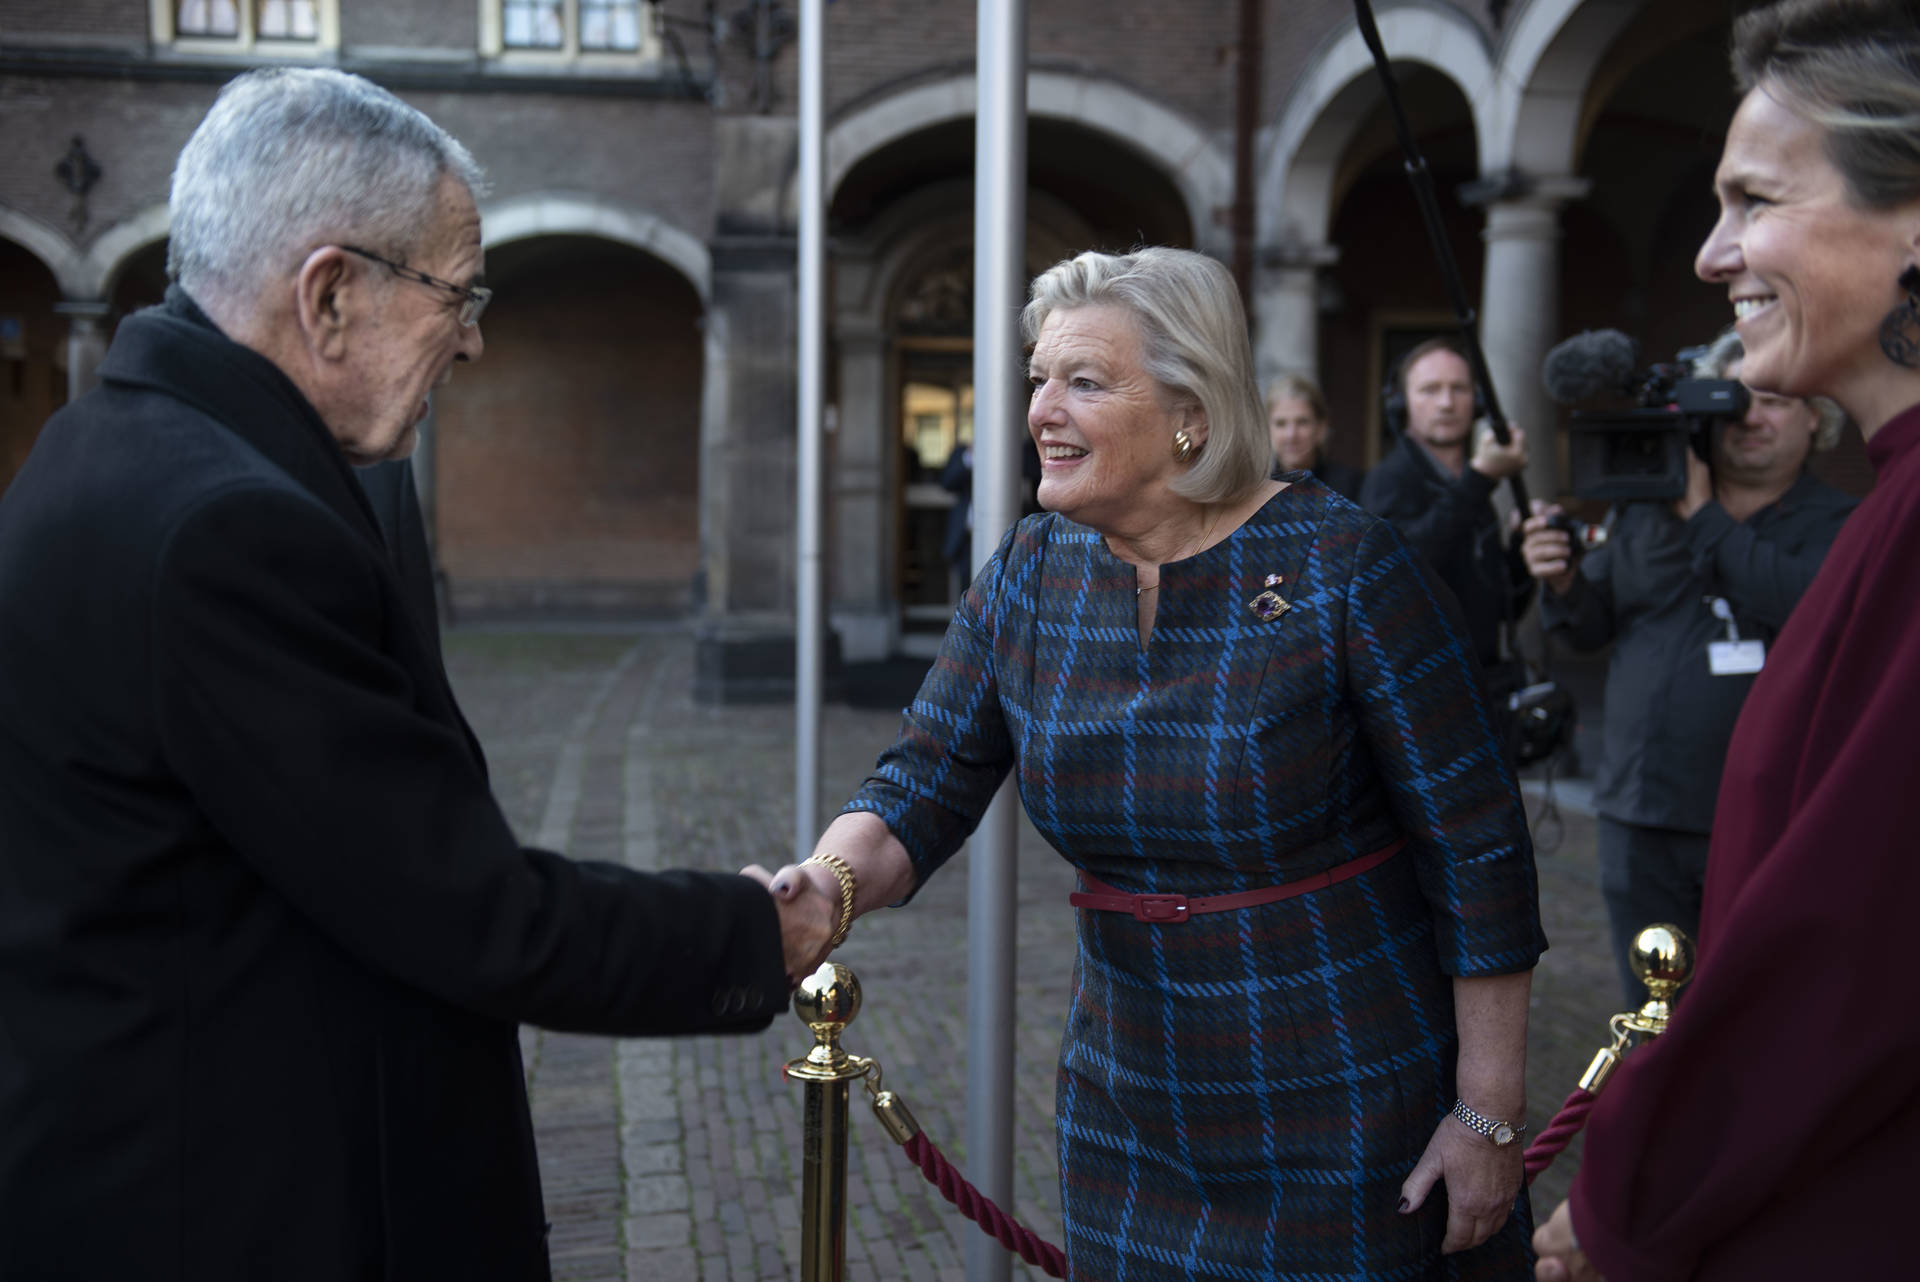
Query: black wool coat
(265, 936)
(1451, 523)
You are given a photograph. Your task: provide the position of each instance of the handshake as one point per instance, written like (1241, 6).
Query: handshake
(857, 866)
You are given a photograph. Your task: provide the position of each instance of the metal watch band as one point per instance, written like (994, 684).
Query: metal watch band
(1501, 1133)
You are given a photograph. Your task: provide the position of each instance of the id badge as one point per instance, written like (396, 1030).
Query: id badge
(1736, 658)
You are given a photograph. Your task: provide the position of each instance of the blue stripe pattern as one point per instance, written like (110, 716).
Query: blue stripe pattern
(1241, 1095)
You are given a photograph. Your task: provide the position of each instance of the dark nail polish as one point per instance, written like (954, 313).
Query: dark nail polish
(1405, 1206)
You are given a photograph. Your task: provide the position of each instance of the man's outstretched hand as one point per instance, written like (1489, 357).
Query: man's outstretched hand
(808, 900)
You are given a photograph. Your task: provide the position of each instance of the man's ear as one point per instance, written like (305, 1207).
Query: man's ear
(327, 293)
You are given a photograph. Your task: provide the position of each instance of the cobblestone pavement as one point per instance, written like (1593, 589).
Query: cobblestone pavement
(679, 1159)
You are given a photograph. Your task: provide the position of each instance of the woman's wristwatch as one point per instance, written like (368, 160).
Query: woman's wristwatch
(1501, 1133)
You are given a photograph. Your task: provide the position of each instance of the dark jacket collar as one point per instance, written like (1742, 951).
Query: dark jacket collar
(175, 349)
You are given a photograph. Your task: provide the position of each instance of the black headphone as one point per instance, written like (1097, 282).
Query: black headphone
(1393, 397)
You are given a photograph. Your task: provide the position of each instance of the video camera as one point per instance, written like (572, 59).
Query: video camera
(1637, 454)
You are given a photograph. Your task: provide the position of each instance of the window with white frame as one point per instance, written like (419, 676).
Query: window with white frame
(291, 27)
(607, 31)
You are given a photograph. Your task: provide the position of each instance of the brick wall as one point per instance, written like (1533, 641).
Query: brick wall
(648, 155)
(569, 454)
(1181, 53)
(112, 20)
(432, 24)
(132, 130)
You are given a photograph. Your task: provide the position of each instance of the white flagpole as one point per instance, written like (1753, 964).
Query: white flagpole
(810, 608)
(999, 290)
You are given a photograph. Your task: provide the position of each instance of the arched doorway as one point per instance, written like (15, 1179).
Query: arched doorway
(33, 354)
(566, 464)
(903, 347)
(140, 280)
(1386, 293)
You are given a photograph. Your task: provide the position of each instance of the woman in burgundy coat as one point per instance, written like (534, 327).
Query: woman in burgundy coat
(1774, 1130)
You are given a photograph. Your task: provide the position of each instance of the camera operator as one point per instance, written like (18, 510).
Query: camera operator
(1435, 488)
(1690, 593)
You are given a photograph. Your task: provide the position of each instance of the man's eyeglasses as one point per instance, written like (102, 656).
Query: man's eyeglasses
(473, 301)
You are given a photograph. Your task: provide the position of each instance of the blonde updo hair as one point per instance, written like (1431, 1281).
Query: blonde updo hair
(1727, 350)
(1851, 67)
(1194, 336)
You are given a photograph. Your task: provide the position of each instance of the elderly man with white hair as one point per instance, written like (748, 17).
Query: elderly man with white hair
(265, 937)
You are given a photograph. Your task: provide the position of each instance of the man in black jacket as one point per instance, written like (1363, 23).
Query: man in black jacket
(264, 935)
(1690, 594)
(1435, 487)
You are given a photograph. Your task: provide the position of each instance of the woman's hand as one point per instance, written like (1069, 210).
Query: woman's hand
(808, 894)
(807, 897)
(1561, 1259)
(1482, 1180)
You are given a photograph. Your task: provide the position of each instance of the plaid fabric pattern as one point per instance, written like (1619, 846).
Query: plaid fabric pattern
(1240, 1096)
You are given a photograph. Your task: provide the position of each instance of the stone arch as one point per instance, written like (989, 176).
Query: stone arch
(1330, 102)
(921, 224)
(113, 248)
(1546, 73)
(48, 244)
(1166, 139)
(549, 214)
(871, 271)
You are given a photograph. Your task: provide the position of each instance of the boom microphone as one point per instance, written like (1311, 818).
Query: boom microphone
(1589, 363)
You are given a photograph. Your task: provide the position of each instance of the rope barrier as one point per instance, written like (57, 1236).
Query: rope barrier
(1566, 1124)
(828, 1000)
(996, 1223)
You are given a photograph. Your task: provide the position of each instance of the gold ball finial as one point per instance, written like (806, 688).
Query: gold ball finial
(1662, 954)
(828, 999)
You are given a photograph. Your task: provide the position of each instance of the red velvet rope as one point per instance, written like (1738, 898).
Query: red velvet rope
(995, 1222)
(1566, 1124)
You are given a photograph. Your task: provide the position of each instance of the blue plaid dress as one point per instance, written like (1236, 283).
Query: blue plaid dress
(1240, 1095)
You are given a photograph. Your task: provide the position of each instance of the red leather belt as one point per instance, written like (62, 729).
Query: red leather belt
(1177, 908)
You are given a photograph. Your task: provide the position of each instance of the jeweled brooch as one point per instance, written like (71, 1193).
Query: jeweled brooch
(1269, 605)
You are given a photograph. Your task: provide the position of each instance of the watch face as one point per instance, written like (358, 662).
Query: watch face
(1502, 1133)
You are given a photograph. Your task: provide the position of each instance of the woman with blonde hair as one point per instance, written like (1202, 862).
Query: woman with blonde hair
(1307, 905)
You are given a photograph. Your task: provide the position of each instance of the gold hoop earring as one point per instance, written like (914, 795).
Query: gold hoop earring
(1183, 447)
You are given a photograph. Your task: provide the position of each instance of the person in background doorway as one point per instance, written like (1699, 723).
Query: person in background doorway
(1297, 422)
(1436, 488)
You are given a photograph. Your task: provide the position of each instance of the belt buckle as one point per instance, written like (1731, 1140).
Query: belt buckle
(1160, 908)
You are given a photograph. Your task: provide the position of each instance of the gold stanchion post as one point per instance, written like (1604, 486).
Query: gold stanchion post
(826, 1001)
(1663, 959)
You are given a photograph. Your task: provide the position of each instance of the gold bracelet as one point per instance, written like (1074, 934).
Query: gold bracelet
(844, 875)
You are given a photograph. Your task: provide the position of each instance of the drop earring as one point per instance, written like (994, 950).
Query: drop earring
(1183, 446)
(1900, 331)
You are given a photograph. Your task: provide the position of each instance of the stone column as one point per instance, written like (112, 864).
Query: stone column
(86, 342)
(1286, 309)
(1520, 313)
(743, 639)
(861, 518)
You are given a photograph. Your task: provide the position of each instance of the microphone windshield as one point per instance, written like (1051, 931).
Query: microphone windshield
(1589, 363)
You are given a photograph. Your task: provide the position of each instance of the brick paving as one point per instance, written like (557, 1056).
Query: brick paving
(679, 1159)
